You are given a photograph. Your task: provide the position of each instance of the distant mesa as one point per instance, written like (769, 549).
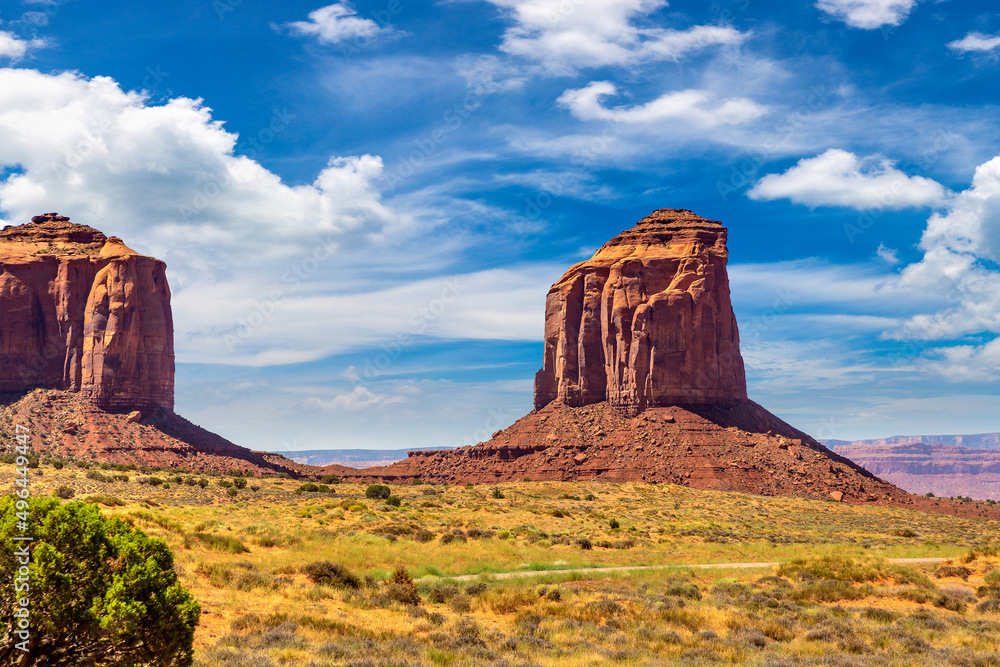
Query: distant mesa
(946, 466)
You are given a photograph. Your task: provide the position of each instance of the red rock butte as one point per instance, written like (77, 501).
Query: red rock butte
(83, 312)
(647, 321)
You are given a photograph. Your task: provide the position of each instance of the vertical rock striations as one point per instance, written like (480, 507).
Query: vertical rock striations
(647, 321)
(83, 312)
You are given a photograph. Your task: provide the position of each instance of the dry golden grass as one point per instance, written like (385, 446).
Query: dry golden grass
(835, 601)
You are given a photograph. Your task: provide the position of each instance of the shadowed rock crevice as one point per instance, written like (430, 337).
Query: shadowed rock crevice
(82, 312)
(647, 321)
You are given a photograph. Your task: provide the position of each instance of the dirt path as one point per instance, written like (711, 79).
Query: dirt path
(679, 566)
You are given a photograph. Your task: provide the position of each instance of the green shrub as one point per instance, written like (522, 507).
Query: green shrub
(64, 492)
(378, 492)
(614, 525)
(330, 574)
(402, 588)
(497, 493)
(97, 476)
(203, 483)
(221, 543)
(394, 501)
(308, 487)
(330, 479)
(107, 501)
(240, 482)
(106, 600)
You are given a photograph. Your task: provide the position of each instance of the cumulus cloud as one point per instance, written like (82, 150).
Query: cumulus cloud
(168, 179)
(170, 172)
(699, 108)
(337, 23)
(565, 36)
(868, 14)
(961, 248)
(967, 363)
(976, 42)
(13, 48)
(262, 272)
(841, 178)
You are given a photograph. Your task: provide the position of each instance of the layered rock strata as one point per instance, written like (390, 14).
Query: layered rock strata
(84, 313)
(647, 321)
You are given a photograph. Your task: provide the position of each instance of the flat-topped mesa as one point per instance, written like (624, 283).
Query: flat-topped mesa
(83, 312)
(647, 321)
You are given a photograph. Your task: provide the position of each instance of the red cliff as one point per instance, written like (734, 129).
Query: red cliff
(647, 321)
(84, 313)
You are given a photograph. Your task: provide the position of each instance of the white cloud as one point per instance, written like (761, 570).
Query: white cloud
(166, 178)
(360, 398)
(967, 363)
(840, 178)
(887, 255)
(489, 74)
(337, 23)
(955, 243)
(565, 35)
(13, 48)
(976, 42)
(695, 107)
(868, 14)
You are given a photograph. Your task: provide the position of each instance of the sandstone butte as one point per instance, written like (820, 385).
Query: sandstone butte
(87, 353)
(642, 380)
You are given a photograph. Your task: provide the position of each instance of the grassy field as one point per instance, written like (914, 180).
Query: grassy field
(287, 577)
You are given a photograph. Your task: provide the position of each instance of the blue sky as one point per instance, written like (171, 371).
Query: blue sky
(363, 205)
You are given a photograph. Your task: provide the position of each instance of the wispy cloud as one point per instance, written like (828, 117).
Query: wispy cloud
(337, 23)
(14, 48)
(699, 108)
(564, 36)
(976, 42)
(868, 14)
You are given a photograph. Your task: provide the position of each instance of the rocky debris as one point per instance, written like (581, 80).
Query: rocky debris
(84, 313)
(68, 425)
(941, 469)
(706, 447)
(647, 321)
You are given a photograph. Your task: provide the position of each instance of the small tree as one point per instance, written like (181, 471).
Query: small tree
(102, 593)
(240, 482)
(378, 492)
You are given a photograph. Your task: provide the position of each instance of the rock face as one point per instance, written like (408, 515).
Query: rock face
(84, 313)
(647, 321)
